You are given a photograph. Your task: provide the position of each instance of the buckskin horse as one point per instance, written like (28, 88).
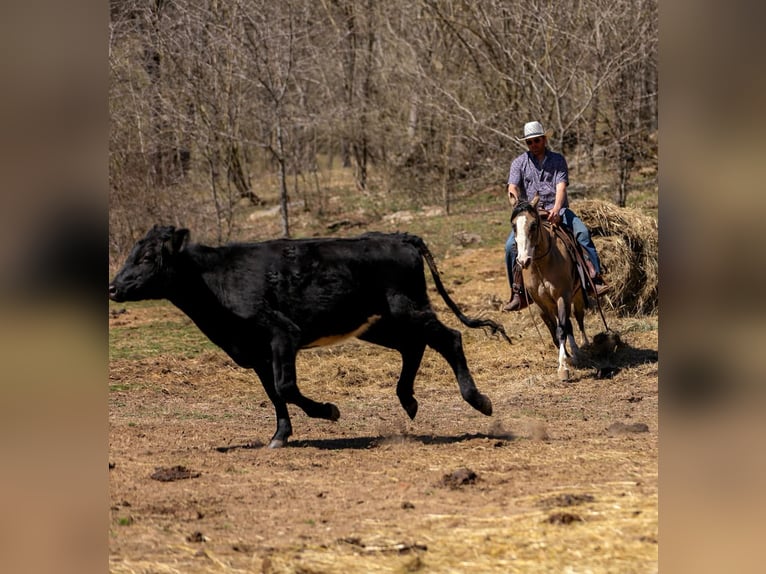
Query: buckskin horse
(551, 277)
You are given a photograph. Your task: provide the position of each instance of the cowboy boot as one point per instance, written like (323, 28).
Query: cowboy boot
(598, 281)
(600, 286)
(518, 298)
(591, 268)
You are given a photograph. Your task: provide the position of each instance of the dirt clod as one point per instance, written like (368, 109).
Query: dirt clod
(566, 500)
(460, 477)
(196, 537)
(177, 472)
(618, 428)
(563, 518)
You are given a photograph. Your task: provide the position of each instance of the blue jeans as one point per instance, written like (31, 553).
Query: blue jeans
(573, 224)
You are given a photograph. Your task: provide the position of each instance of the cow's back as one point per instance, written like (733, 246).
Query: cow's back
(343, 276)
(326, 287)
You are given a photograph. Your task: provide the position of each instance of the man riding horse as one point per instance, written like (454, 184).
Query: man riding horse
(544, 173)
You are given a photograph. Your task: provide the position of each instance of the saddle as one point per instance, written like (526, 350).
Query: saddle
(576, 251)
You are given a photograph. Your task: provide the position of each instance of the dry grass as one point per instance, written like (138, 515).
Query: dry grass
(556, 489)
(628, 244)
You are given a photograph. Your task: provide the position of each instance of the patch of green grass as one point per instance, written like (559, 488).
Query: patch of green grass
(641, 326)
(157, 338)
(167, 335)
(201, 416)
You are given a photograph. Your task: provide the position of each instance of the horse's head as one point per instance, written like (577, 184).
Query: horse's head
(525, 221)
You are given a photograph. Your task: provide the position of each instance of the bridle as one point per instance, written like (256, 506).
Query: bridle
(540, 223)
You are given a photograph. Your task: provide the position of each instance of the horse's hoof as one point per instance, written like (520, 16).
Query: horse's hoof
(277, 443)
(563, 374)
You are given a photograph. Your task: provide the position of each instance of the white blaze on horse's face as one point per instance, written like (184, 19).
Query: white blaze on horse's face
(526, 250)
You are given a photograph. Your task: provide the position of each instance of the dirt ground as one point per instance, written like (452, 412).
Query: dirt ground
(563, 477)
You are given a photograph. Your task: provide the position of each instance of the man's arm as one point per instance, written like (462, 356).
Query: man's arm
(513, 194)
(561, 197)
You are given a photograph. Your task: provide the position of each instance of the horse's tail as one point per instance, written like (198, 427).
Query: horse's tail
(473, 323)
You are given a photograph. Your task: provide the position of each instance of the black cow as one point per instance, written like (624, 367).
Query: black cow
(263, 302)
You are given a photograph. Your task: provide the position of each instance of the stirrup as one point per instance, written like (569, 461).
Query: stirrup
(516, 303)
(599, 287)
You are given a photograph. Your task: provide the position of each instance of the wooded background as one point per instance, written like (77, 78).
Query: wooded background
(219, 105)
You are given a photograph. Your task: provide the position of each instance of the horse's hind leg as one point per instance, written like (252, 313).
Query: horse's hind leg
(573, 348)
(563, 332)
(579, 313)
(578, 309)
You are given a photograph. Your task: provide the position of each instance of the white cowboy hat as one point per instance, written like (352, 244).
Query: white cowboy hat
(534, 130)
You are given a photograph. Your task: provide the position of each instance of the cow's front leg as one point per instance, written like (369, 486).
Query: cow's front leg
(284, 427)
(283, 363)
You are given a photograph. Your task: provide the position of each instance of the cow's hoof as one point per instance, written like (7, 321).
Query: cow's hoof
(483, 404)
(563, 374)
(277, 443)
(411, 408)
(334, 412)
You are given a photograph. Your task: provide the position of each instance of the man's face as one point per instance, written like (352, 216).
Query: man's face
(536, 144)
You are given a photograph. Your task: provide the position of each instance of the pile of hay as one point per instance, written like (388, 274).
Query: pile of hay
(627, 243)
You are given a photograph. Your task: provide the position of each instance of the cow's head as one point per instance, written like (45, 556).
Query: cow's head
(149, 268)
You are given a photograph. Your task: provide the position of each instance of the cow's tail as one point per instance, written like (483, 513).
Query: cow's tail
(474, 323)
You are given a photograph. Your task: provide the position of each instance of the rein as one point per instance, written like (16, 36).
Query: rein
(540, 224)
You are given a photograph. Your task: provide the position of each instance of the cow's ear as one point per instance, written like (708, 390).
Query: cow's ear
(179, 240)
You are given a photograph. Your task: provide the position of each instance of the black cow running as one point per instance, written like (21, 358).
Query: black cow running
(263, 302)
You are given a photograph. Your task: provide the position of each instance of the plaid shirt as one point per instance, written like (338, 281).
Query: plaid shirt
(535, 179)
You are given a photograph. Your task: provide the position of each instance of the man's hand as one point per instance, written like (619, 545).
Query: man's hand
(554, 217)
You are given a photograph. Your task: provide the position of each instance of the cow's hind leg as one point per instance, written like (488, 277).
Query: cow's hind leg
(411, 349)
(411, 358)
(449, 344)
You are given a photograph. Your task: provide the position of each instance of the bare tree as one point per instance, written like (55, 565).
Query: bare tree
(207, 94)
